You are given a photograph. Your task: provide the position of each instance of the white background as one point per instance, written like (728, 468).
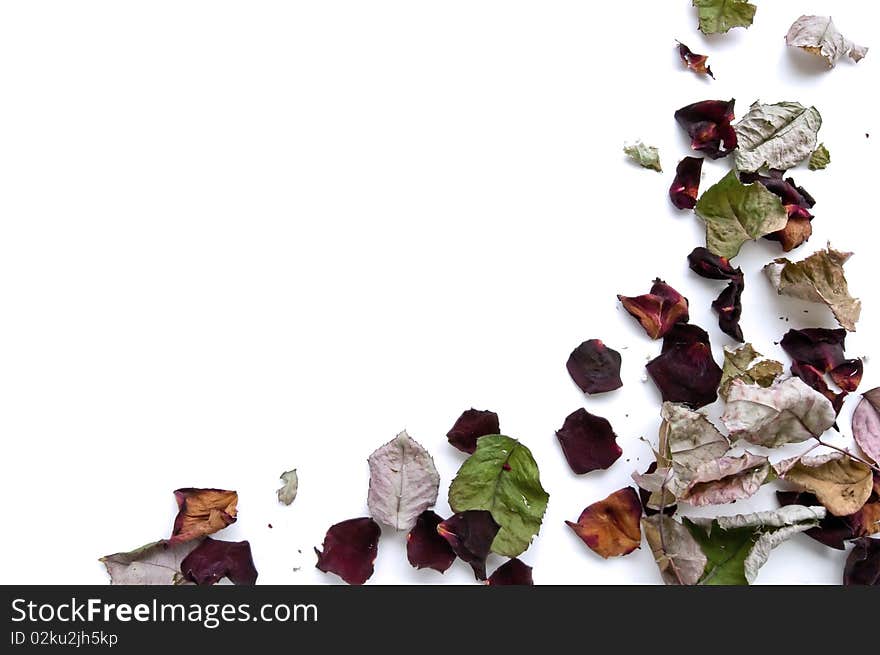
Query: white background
(239, 238)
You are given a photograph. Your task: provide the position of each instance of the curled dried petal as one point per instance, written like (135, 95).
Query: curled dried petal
(686, 185)
(708, 125)
(425, 548)
(610, 527)
(658, 310)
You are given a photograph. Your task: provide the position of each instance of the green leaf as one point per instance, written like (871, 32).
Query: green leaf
(718, 16)
(645, 156)
(747, 364)
(502, 477)
(735, 213)
(820, 158)
(776, 136)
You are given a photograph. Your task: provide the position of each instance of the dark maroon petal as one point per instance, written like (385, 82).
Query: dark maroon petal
(213, 560)
(708, 125)
(470, 534)
(512, 573)
(588, 442)
(705, 263)
(658, 310)
(821, 348)
(685, 371)
(693, 61)
(425, 548)
(797, 203)
(816, 379)
(595, 367)
(350, 548)
(470, 426)
(686, 185)
(848, 374)
(833, 531)
(645, 496)
(863, 564)
(729, 308)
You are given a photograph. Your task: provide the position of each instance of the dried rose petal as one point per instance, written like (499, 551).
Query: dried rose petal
(833, 531)
(645, 496)
(708, 125)
(202, 512)
(658, 310)
(686, 185)
(350, 548)
(425, 548)
(470, 534)
(821, 348)
(512, 573)
(212, 560)
(588, 442)
(707, 264)
(685, 371)
(863, 564)
(693, 61)
(797, 204)
(611, 527)
(848, 374)
(595, 367)
(470, 426)
(729, 308)
(815, 379)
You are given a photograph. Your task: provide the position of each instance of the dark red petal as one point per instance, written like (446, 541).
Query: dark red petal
(693, 61)
(512, 573)
(658, 310)
(595, 367)
(470, 426)
(470, 534)
(685, 371)
(708, 125)
(213, 560)
(645, 496)
(863, 564)
(350, 548)
(833, 531)
(588, 442)
(729, 308)
(686, 185)
(816, 379)
(848, 374)
(425, 548)
(821, 348)
(705, 263)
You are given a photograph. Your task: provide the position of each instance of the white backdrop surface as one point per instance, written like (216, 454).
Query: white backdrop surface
(239, 238)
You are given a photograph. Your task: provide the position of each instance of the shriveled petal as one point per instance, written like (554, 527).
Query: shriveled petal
(610, 527)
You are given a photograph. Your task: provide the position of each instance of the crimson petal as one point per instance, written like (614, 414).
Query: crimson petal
(815, 379)
(863, 564)
(588, 442)
(425, 548)
(686, 185)
(821, 348)
(512, 573)
(470, 534)
(729, 308)
(848, 374)
(693, 61)
(595, 367)
(350, 548)
(213, 560)
(658, 310)
(685, 371)
(470, 426)
(707, 264)
(708, 125)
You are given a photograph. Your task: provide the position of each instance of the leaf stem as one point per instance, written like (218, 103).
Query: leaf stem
(873, 467)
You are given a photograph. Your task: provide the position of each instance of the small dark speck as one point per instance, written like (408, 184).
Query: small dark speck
(270, 526)
(505, 466)
(299, 551)
(787, 320)
(806, 311)
(867, 136)
(775, 343)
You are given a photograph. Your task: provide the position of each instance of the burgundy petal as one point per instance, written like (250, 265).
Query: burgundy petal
(821, 348)
(512, 573)
(658, 310)
(797, 203)
(833, 531)
(729, 308)
(685, 371)
(588, 442)
(693, 61)
(350, 548)
(470, 426)
(213, 560)
(815, 379)
(470, 534)
(645, 496)
(595, 367)
(848, 374)
(705, 263)
(686, 185)
(708, 125)
(863, 564)
(425, 548)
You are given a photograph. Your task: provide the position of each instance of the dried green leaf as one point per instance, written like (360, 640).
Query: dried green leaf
(403, 482)
(719, 16)
(819, 36)
(747, 364)
(645, 156)
(735, 213)
(777, 136)
(157, 563)
(789, 411)
(678, 555)
(820, 158)
(502, 477)
(287, 492)
(818, 278)
(841, 484)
